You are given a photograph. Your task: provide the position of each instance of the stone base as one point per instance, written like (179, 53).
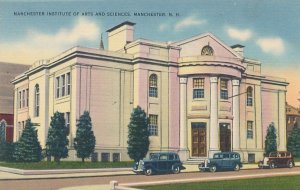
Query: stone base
(184, 154)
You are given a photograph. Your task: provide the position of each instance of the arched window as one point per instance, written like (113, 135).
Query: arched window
(249, 96)
(37, 100)
(207, 50)
(153, 85)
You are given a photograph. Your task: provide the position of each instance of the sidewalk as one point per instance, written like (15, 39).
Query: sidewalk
(15, 174)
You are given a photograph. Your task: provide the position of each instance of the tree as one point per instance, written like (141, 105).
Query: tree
(2, 141)
(57, 140)
(270, 142)
(28, 148)
(84, 142)
(293, 144)
(138, 135)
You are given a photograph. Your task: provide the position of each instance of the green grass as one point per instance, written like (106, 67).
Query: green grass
(272, 183)
(66, 165)
(297, 159)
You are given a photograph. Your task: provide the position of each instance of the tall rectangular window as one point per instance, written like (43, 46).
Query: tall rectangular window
(27, 97)
(63, 85)
(198, 88)
(68, 83)
(153, 125)
(249, 129)
(23, 98)
(224, 89)
(20, 99)
(57, 87)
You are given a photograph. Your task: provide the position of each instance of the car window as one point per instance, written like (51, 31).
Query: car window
(226, 156)
(282, 154)
(273, 154)
(163, 157)
(153, 156)
(171, 157)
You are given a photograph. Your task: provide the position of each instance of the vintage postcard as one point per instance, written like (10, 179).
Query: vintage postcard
(189, 94)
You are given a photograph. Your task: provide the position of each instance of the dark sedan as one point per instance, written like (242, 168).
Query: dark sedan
(161, 162)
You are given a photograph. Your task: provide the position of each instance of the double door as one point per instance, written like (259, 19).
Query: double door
(199, 140)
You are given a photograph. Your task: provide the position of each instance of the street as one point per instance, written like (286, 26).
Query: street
(128, 180)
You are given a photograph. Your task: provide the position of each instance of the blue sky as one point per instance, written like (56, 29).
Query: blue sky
(268, 28)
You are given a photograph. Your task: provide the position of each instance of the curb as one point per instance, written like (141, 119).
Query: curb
(60, 171)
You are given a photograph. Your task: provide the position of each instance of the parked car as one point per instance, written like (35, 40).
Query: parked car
(222, 161)
(277, 159)
(160, 162)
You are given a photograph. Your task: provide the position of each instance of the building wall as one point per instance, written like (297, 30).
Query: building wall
(110, 84)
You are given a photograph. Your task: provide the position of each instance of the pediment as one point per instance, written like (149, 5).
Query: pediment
(193, 47)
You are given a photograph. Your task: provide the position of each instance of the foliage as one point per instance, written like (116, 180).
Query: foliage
(57, 140)
(28, 148)
(65, 165)
(2, 131)
(84, 142)
(270, 142)
(293, 144)
(138, 134)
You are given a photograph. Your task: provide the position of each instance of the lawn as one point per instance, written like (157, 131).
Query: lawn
(272, 183)
(297, 159)
(66, 165)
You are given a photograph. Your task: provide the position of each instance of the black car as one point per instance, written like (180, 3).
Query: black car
(222, 161)
(161, 162)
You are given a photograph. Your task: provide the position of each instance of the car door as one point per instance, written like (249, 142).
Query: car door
(226, 162)
(163, 163)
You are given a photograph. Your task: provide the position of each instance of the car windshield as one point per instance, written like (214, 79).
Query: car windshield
(218, 156)
(154, 157)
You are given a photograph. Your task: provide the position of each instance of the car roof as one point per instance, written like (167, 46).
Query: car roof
(227, 153)
(163, 153)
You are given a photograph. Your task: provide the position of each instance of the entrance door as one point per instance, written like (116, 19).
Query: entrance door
(225, 137)
(199, 139)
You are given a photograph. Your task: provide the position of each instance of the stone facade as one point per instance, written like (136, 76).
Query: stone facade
(201, 95)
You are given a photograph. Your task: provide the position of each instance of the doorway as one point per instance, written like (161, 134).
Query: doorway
(225, 137)
(199, 139)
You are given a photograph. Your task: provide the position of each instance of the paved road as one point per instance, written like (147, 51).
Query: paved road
(54, 184)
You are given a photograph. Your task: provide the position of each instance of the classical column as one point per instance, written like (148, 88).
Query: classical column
(183, 120)
(214, 127)
(183, 132)
(281, 121)
(236, 115)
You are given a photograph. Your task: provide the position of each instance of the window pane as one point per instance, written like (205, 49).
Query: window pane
(153, 128)
(224, 89)
(198, 85)
(57, 87)
(153, 85)
(68, 83)
(249, 129)
(63, 86)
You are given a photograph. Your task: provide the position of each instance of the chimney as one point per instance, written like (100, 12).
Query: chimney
(120, 35)
(239, 49)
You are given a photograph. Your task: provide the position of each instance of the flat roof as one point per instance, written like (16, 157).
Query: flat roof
(119, 25)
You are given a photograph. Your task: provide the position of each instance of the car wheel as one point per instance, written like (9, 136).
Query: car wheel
(212, 168)
(237, 167)
(272, 165)
(290, 164)
(175, 169)
(148, 171)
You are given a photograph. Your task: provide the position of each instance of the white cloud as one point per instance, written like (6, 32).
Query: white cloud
(163, 27)
(273, 46)
(189, 21)
(38, 45)
(242, 35)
